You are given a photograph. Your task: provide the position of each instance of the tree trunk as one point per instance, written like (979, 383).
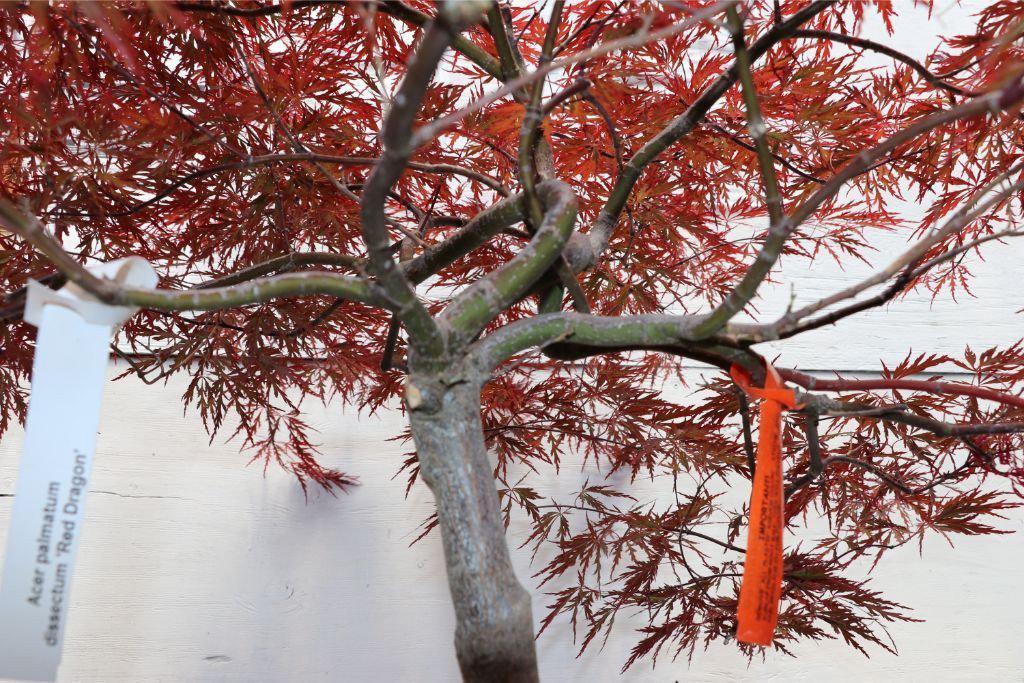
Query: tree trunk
(494, 639)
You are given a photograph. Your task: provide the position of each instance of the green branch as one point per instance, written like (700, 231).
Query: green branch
(570, 336)
(283, 264)
(681, 126)
(472, 235)
(991, 103)
(755, 122)
(777, 234)
(511, 62)
(424, 332)
(486, 298)
(207, 299)
(252, 292)
(532, 118)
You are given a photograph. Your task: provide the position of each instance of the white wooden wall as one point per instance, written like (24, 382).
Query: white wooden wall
(196, 568)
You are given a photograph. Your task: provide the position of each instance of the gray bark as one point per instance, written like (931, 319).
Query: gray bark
(494, 639)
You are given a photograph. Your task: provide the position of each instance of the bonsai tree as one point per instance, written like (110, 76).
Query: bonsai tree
(520, 222)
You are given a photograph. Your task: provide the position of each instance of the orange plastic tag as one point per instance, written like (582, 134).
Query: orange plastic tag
(761, 589)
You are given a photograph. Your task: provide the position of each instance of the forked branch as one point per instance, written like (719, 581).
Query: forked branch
(991, 103)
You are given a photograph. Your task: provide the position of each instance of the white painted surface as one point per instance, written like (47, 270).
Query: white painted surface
(194, 568)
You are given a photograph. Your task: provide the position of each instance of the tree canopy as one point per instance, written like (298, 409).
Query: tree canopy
(575, 201)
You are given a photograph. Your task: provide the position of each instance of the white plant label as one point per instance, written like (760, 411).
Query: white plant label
(68, 374)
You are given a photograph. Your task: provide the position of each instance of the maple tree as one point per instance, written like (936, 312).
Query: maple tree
(521, 221)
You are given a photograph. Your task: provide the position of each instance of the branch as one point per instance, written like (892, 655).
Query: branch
(973, 450)
(32, 232)
(14, 303)
(910, 260)
(737, 299)
(681, 126)
(390, 343)
(900, 415)
(467, 238)
(866, 44)
(569, 336)
(598, 27)
(217, 7)
(712, 539)
(508, 56)
(963, 248)
(253, 292)
(576, 335)
(213, 298)
(482, 301)
(284, 263)
(395, 140)
(471, 50)
(399, 10)
(890, 480)
(532, 118)
(266, 159)
(755, 123)
(777, 233)
(609, 124)
(589, 334)
(473, 234)
(686, 531)
(429, 131)
(885, 384)
(748, 439)
(535, 159)
(783, 161)
(891, 292)
(815, 465)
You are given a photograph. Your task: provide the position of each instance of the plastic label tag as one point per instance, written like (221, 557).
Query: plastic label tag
(68, 374)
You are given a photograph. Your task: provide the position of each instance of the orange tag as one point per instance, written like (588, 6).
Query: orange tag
(761, 589)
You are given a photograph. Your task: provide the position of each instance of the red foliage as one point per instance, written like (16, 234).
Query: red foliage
(137, 128)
